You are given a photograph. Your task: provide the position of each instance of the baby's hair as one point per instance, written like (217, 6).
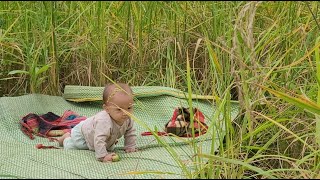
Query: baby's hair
(110, 89)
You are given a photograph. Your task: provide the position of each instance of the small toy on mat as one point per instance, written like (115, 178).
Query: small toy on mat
(115, 158)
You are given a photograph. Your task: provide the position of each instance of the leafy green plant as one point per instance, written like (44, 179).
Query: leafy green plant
(34, 72)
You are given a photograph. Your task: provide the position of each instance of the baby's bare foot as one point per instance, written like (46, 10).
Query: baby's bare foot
(61, 139)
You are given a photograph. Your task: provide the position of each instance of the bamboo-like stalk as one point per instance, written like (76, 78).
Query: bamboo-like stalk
(317, 116)
(54, 49)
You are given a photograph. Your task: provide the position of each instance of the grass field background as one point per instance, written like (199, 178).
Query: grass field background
(263, 54)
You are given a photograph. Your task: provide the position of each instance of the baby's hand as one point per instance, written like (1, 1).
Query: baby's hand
(108, 157)
(129, 150)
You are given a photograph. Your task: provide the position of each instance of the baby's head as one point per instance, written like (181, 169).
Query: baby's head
(118, 101)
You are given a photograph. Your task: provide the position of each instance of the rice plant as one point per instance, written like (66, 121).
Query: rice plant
(265, 55)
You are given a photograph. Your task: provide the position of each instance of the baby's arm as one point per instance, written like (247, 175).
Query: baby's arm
(102, 133)
(130, 138)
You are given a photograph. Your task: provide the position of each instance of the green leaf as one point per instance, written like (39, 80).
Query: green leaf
(43, 69)
(239, 162)
(18, 72)
(213, 57)
(300, 102)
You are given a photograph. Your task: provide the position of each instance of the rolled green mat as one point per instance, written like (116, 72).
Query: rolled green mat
(89, 93)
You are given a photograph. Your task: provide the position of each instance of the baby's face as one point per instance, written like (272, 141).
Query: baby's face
(118, 106)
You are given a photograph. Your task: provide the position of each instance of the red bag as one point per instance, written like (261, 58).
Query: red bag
(180, 123)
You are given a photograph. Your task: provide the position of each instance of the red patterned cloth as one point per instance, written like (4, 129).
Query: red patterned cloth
(180, 123)
(49, 124)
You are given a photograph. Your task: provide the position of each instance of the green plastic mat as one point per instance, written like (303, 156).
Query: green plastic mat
(19, 157)
(88, 93)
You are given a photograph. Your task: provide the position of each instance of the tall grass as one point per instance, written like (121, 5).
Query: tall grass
(266, 52)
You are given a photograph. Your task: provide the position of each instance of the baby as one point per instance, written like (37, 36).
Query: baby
(101, 132)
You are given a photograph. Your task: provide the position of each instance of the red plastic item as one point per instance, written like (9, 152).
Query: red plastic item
(41, 146)
(150, 133)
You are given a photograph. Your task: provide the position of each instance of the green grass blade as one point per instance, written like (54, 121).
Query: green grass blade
(235, 161)
(300, 102)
